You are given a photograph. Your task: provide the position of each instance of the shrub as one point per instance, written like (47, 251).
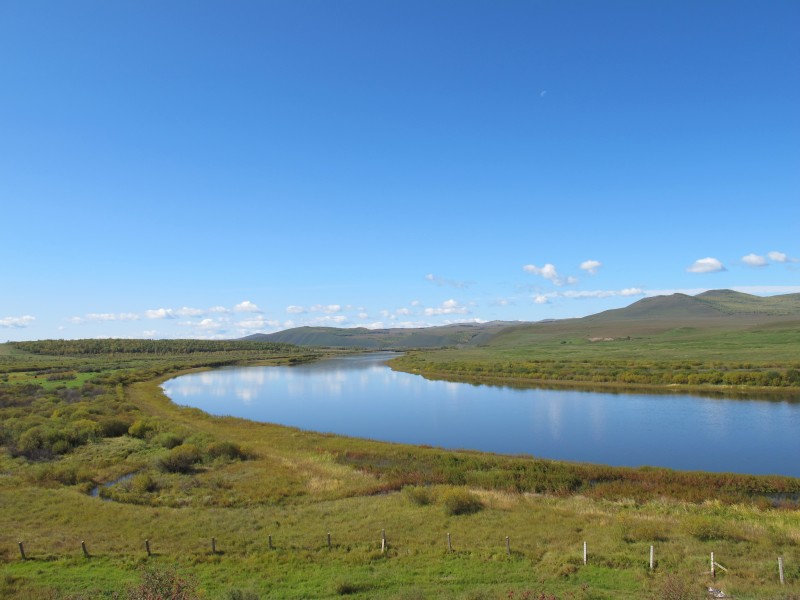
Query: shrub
(163, 583)
(180, 459)
(168, 440)
(114, 427)
(143, 483)
(459, 501)
(227, 450)
(419, 495)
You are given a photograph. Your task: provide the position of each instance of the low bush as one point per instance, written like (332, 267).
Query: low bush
(180, 459)
(419, 495)
(458, 501)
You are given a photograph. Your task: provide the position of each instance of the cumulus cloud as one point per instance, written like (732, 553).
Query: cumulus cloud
(17, 322)
(627, 292)
(754, 260)
(448, 307)
(161, 313)
(218, 310)
(295, 310)
(258, 323)
(549, 272)
(706, 265)
(327, 309)
(441, 281)
(403, 311)
(105, 317)
(246, 306)
(591, 266)
(778, 257)
(541, 299)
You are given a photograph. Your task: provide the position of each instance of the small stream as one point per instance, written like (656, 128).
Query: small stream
(95, 491)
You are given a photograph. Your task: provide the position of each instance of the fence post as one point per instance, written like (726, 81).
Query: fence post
(585, 553)
(383, 540)
(147, 547)
(85, 551)
(22, 551)
(508, 546)
(269, 539)
(652, 557)
(329, 540)
(713, 567)
(780, 569)
(213, 545)
(449, 545)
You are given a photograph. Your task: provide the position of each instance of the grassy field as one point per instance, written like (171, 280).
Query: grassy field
(245, 484)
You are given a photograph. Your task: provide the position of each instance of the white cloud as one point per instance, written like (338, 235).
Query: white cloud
(754, 260)
(189, 312)
(780, 257)
(403, 311)
(591, 266)
(441, 281)
(415, 303)
(218, 310)
(295, 310)
(548, 271)
(363, 315)
(328, 320)
(17, 322)
(160, 313)
(448, 307)
(706, 265)
(149, 333)
(258, 323)
(627, 292)
(328, 309)
(541, 299)
(247, 306)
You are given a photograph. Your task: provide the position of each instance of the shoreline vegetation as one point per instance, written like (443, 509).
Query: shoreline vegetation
(81, 416)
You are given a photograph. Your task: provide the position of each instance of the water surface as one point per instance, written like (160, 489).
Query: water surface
(360, 396)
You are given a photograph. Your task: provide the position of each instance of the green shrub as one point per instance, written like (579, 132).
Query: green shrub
(114, 427)
(458, 501)
(419, 495)
(142, 483)
(180, 459)
(163, 583)
(227, 450)
(168, 440)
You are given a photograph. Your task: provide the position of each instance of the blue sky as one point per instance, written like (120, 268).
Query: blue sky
(215, 169)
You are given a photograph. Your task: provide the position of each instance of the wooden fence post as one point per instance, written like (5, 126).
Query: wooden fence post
(383, 540)
(269, 538)
(508, 546)
(449, 544)
(147, 547)
(652, 557)
(780, 569)
(713, 567)
(585, 553)
(85, 551)
(213, 545)
(22, 551)
(329, 540)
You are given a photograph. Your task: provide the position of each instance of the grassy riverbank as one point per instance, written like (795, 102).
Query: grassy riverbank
(194, 477)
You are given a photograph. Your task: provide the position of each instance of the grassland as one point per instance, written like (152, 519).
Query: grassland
(194, 477)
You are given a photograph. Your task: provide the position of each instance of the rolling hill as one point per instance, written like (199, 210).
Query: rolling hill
(462, 334)
(705, 313)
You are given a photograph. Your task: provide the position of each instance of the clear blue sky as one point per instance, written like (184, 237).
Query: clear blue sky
(214, 169)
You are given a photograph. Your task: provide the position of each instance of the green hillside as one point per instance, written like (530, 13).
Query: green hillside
(720, 339)
(461, 334)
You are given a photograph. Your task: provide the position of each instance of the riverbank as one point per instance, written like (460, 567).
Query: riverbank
(271, 505)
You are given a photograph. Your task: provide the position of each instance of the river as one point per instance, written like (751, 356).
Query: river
(358, 395)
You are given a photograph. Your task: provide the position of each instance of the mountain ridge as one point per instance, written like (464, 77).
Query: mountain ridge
(710, 309)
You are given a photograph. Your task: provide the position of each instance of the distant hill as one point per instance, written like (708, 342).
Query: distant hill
(461, 334)
(680, 313)
(714, 309)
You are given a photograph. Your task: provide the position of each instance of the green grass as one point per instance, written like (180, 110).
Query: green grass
(298, 486)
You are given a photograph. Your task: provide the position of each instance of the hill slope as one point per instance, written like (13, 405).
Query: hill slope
(461, 334)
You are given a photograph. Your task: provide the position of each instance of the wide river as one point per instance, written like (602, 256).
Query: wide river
(360, 396)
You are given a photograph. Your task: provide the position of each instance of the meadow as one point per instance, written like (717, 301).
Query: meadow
(94, 452)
